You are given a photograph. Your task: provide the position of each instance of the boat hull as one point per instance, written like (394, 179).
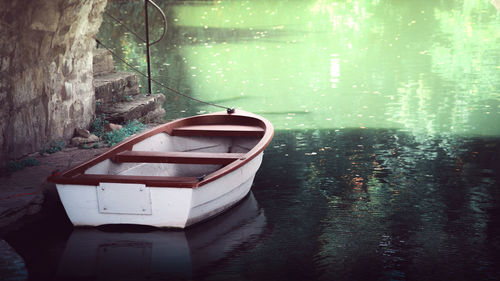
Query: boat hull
(175, 175)
(169, 207)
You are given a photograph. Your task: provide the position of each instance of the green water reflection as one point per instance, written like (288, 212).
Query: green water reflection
(428, 67)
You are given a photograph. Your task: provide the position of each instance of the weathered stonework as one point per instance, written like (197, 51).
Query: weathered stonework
(45, 71)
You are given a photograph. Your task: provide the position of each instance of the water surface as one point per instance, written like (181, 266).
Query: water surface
(385, 162)
(428, 67)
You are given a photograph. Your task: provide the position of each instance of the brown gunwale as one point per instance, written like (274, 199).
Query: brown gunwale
(176, 157)
(76, 175)
(219, 130)
(95, 179)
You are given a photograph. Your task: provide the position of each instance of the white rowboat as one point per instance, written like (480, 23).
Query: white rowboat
(174, 175)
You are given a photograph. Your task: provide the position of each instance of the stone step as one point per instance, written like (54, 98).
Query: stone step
(102, 62)
(113, 87)
(117, 93)
(139, 107)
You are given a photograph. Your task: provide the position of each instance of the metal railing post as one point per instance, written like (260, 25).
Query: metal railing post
(148, 58)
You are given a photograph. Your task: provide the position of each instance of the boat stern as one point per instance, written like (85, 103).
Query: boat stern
(118, 203)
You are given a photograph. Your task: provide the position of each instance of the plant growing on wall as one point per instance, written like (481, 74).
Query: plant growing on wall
(13, 166)
(116, 136)
(53, 147)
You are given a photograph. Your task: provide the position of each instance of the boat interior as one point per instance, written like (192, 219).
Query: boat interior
(185, 153)
(165, 155)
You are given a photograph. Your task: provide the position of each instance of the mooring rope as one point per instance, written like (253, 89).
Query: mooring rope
(228, 109)
(34, 192)
(37, 190)
(125, 26)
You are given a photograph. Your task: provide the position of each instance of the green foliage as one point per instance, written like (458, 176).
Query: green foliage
(54, 147)
(13, 166)
(127, 130)
(98, 126)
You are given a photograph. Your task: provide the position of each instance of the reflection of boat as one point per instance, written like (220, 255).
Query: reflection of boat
(175, 175)
(93, 254)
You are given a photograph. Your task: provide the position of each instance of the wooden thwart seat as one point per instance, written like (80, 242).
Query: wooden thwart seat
(176, 157)
(219, 131)
(93, 179)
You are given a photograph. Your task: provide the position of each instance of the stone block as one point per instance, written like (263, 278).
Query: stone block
(82, 133)
(102, 62)
(114, 87)
(112, 127)
(77, 141)
(137, 108)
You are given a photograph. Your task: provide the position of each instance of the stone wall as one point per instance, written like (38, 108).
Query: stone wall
(45, 71)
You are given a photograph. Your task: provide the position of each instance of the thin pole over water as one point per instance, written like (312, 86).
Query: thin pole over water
(148, 58)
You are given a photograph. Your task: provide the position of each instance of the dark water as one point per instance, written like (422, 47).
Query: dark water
(385, 163)
(326, 205)
(378, 205)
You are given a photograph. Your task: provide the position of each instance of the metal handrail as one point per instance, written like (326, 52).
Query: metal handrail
(165, 25)
(148, 44)
(148, 75)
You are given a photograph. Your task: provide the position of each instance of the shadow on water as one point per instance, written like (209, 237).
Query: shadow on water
(381, 205)
(41, 241)
(133, 252)
(351, 204)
